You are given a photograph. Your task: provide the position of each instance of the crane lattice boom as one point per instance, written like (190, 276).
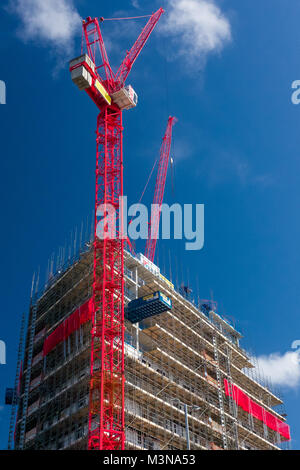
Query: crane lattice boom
(132, 55)
(106, 400)
(159, 190)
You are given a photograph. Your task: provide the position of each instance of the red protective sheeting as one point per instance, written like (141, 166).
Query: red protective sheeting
(68, 326)
(256, 410)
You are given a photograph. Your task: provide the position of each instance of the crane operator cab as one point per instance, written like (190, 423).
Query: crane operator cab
(126, 98)
(83, 74)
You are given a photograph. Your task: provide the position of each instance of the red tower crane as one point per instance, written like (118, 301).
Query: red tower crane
(92, 72)
(159, 190)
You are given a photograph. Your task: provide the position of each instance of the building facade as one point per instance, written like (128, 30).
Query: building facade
(186, 356)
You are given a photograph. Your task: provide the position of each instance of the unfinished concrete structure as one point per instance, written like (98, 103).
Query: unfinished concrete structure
(188, 355)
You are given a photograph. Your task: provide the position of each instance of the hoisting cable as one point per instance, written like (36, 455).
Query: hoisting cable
(132, 245)
(82, 42)
(146, 185)
(167, 102)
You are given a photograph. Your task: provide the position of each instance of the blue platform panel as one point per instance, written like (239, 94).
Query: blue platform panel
(147, 306)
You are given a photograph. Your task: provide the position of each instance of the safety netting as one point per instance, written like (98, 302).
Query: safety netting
(257, 411)
(72, 323)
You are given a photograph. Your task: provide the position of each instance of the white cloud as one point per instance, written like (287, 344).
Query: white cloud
(135, 4)
(222, 166)
(51, 22)
(283, 370)
(197, 28)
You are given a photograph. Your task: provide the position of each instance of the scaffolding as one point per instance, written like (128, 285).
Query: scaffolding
(181, 356)
(15, 391)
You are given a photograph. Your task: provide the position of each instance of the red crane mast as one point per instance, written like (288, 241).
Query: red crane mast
(159, 190)
(108, 91)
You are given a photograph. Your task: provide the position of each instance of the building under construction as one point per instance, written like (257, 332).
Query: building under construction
(173, 376)
(180, 354)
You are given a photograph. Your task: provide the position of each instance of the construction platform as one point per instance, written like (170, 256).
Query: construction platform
(147, 306)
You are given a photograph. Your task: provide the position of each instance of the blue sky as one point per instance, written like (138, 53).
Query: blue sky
(236, 150)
